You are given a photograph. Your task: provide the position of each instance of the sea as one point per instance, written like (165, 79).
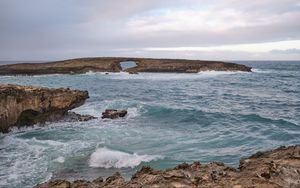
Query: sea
(172, 118)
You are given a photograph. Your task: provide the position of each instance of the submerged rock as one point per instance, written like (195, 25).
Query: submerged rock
(113, 114)
(271, 169)
(26, 105)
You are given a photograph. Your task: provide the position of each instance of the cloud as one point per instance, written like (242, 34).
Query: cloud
(55, 29)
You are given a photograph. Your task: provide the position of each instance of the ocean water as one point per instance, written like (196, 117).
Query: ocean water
(173, 118)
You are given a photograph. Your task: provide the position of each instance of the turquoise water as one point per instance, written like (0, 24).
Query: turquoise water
(173, 118)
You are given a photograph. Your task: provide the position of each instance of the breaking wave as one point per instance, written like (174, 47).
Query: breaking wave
(107, 158)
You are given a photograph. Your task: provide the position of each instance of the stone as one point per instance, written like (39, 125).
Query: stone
(113, 113)
(74, 117)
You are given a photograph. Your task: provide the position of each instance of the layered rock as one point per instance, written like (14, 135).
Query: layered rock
(26, 105)
(271, 169)
(102, 64)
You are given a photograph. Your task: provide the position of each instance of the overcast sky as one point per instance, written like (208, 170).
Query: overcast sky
(193, 29)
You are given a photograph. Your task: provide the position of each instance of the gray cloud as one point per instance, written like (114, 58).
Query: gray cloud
(55, 29)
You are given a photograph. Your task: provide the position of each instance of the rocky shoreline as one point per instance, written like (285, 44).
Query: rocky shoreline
(112, 64)
(271, 169)
(27, 105)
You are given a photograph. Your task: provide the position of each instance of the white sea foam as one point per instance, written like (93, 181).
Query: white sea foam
(48, 142)
(107, 158)
(260, 70)
(172, 76)
(132, 113)
(59, 159)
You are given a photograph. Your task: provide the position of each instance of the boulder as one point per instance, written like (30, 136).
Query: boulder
(113, 113)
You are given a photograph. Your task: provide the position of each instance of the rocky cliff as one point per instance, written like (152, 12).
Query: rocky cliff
(25, 105)
(271, 169)
(102, 64)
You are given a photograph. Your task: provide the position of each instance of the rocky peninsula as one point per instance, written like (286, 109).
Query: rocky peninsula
(112, 64)
(271, 169)
(26, 105)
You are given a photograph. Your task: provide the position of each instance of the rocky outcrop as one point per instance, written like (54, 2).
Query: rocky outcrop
(113, 114)
(26, 105)
(74, 117)
(103, 64)
(271, 169)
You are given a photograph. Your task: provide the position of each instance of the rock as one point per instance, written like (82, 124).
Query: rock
(55, 184)
(114, 180)
(98, 180)
(132, 72)
(74, 117)
(113, 114)
(258, 171)
(26, 105)
(112, 64)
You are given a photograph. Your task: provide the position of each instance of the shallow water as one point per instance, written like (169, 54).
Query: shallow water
(173, 118)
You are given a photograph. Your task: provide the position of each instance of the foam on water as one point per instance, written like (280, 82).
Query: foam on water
(261, 70)
(107, 158)
(171, 76)
(59, 159)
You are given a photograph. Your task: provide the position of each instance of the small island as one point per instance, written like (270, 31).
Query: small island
(113, 64)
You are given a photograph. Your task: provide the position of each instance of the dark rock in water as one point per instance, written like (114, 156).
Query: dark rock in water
(271, 169)
(113, 64)
(73, 117)
(113, 114)
(26, 105)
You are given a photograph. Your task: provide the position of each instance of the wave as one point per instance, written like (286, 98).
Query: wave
(172, 76)
(107, 158)
(261, 70)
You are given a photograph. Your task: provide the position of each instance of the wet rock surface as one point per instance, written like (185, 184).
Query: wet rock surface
(113, 114)
(74, 117)
(112, 64)
(271, 169)
(27, 105)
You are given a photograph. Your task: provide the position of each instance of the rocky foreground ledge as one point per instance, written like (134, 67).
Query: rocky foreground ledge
(26, 105)
(271, 169)
(112, 64)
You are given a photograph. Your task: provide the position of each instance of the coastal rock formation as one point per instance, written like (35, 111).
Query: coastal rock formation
(26, 105)
(105, 64)
(74, 117)
(113, 114)
(271, 169)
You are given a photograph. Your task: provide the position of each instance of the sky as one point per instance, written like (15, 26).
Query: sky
(189, 29)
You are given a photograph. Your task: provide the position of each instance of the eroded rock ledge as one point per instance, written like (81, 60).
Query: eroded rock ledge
(112, 64)
(271, 169)
(26, 105)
